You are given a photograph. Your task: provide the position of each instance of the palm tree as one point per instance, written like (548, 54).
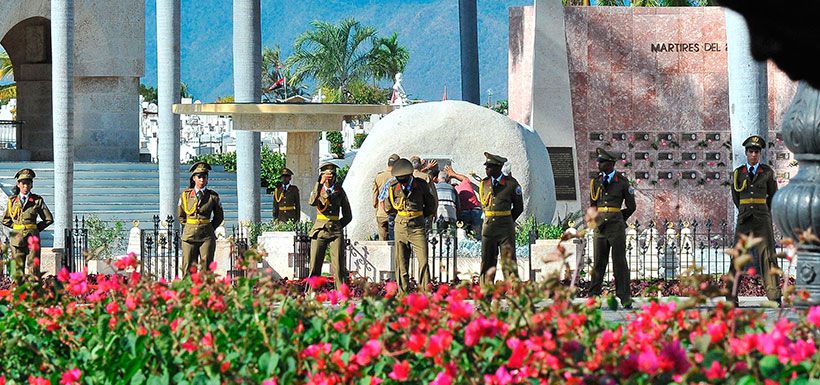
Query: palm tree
(389, 58)
(7, 91)
(334, 55)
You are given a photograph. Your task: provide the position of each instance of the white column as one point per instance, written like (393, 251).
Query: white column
(303, 160)
(168, 19)
(247, 64)
(62, 96)
(748, 88)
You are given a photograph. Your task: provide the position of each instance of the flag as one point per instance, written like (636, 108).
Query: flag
(444, 97)
(277, 84)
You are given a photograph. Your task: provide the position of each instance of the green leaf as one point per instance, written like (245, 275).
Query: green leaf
(770, 367)
(747, 380)
(702, 343)
(158, 380)
(138, 378)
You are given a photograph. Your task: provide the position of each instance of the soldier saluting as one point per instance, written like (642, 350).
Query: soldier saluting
(608, 192)
(753, 188)
(502, 201)
(22, 211)
(286, 206)
(332, 215)
(199, 212)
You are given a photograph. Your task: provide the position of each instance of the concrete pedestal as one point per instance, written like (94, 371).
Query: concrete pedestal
(303, 160)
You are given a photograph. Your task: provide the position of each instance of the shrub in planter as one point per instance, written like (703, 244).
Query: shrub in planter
(358, 140)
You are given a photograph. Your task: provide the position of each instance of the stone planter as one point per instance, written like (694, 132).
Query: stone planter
(372, 260)
(278, 247)
(542, 250)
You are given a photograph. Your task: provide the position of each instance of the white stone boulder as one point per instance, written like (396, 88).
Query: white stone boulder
(454, 130)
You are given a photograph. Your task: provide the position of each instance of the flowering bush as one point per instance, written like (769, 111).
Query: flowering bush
(129, 329)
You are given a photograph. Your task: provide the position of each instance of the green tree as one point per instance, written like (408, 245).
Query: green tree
(183, 91)
(389, 58)
(334, 54)
(7, 91)
(148, 93)
(273, 69)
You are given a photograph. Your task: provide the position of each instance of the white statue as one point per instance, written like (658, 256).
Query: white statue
(399, 97)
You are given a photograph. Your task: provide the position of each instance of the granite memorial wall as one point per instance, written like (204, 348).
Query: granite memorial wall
(651, 85)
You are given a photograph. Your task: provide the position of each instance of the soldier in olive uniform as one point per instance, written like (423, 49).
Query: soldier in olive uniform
(502, 201)
(410, 199)
(21, 214)
(332, 215)
(609, 191)
(199, 212)
(383, 219)
(286, 205)
(753, 187)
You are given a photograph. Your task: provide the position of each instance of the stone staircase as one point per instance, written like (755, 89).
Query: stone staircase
(121, 191)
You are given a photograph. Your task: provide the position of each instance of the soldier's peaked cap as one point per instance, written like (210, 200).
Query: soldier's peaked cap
(494, 159)
(328, 167)
(755, 141)
(605, 156)
(402, 167)
(200, 167)
(286, 171)
(24, 174)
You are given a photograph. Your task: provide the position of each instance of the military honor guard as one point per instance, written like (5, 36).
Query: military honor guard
(411, 200)
(332, 215)
(609, 192)
(383, 219)
(753, 188)
(286, 207)
(199, 212)
(22, 211)
(502, 203)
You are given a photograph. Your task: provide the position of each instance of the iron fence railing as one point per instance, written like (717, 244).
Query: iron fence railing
(160, 249)
(76, 246)
(10, 131)
(667, 250)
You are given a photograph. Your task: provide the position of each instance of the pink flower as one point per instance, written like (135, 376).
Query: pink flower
(77, 284)
(416, 303)
(207, 340)
(501, 377)
(38, 381)
(460, 310)
(648, 361)
(519, 352)
(189, 345)
(375, 380)
(112, 308)
(438, 343)
(400, 371)
(212, 266)
(390, 289)
(814, 315)
(2, 380)
(71, 377)
(717, 331)
(127, 261)
(271, 381)
(63, 275)
(715, 372)
(369, 351)
(316, 282)
(443, 378)
(33, 243)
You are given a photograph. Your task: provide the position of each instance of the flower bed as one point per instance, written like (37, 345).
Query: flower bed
(203, 330)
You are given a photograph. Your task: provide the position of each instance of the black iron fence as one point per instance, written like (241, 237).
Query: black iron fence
(76, 246)
(300, 258)
(239, 247)
(667, 250)
(5, 259)
(160, 249)
(10, 131)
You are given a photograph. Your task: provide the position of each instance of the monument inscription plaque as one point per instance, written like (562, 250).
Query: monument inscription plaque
(563, 172)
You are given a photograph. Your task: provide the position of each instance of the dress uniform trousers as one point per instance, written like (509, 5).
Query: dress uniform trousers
(611, 236)
(198, 249)
(764, 257)
(498, 236)
(320, 242)
(411, 238)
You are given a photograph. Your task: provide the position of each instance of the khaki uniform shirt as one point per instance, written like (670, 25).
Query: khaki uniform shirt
(199, 217)
(286, 205)
(378, 183)
(332, 210)
(25, 217)
(610, 199)
(753, 194)
(411, 208)
(502, 203)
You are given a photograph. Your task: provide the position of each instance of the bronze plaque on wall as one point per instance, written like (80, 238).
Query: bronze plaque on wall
(563, 172)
